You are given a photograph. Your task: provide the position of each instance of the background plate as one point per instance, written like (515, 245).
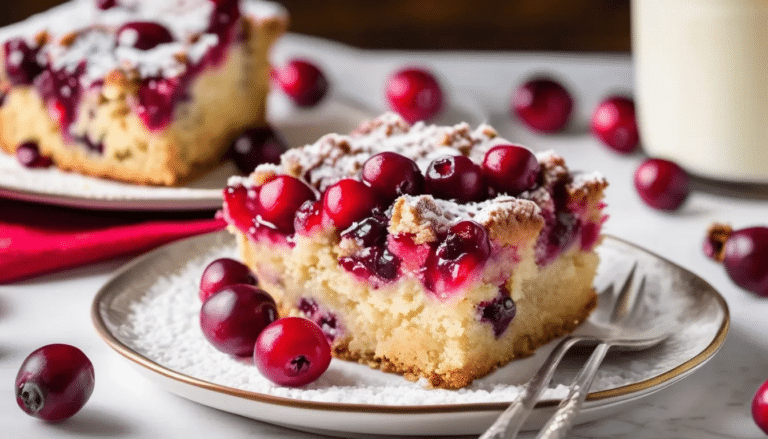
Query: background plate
(298, 127)
(149, 314)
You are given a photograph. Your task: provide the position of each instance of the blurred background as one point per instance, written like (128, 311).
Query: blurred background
(546, 25)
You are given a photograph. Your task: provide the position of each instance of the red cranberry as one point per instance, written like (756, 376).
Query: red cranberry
(499, 312)
(239, 206)
(232, 318)
(391, 175)
(415, 94)
(662, 184)
(28, 154)
(372, 261)
(746, 259)
(370, 231)
(256, 146)
(143, 35)
(510, 169)
(455, 177)
(309, 217)
(466, 247)
(303, 82)
(348, 201)
(543, 104)
(614, 123)
(292, 351)
(280, 198)
(222, 273)
(21, 63)
(61, 90)
(760, 407)
(106, 4)
(54, 382)
(157, 98)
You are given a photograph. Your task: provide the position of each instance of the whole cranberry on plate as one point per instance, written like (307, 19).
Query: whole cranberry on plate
(415, 94)
(543, 104)
(302, 81)
(662, 184)
(224, 272)
(292, 351)
(614, 123)
(256, 146)
(232, 319)
(54, 382)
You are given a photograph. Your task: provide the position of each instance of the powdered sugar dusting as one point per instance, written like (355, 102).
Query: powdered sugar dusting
(98, 46)
(163, 325)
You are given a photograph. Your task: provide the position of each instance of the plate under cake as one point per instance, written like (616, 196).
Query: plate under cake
(430, 284)
(144, 91)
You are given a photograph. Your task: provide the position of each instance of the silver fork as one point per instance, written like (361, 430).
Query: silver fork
(621, 329)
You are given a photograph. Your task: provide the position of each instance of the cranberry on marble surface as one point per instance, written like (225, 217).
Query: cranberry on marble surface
(543, 104)
(280, 198)
(391, 175)
(143, 35)
(510, 169)
(232, 318)
(745, 258)
(415, 94)
(224, 272)
(292, 351)
(455, 177)
(256, 146)
(662, 184)
(28, 154)
(499, 312)
(54, 382)
(302, 81)
(21, 62)
(614, 123)
(348, 201)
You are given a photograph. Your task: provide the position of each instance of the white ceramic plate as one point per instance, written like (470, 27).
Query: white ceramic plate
(149, 314)
(298, 127)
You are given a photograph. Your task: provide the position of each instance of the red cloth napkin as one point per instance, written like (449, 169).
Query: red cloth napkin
(36, 239)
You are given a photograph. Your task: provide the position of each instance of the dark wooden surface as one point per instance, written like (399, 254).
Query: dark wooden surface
(558, 25)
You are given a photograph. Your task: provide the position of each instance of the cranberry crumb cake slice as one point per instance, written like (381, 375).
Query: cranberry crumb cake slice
(147, 91)
(434, 252)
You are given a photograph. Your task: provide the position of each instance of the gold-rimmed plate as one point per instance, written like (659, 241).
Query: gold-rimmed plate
(148, 313)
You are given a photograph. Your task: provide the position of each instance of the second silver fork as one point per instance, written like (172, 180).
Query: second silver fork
(624, 310)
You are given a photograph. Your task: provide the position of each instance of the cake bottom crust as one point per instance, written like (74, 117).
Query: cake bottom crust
(523, 346)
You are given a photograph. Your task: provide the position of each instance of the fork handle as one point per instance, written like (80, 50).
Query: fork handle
(561, 422)
(508, 424)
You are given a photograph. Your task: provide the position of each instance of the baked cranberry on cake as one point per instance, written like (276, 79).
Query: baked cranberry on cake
(436, 252)
(139, 90)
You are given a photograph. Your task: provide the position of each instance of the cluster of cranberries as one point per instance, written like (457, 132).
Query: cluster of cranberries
(240, 319)
(544, 105)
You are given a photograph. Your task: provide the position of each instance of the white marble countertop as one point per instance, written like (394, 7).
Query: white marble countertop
(714, 402)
